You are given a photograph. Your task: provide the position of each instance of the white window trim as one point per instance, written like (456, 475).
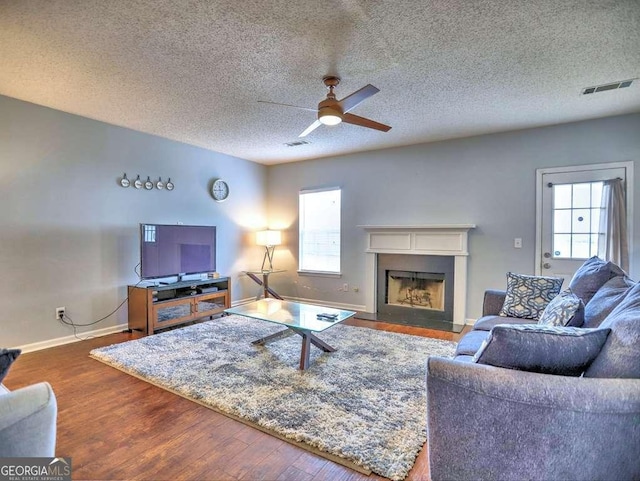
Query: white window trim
(336, 275)
(312, 273)
(628, 166)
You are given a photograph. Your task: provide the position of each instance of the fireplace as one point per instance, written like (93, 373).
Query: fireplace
(418, 290)
(414, 289)
(413, 243)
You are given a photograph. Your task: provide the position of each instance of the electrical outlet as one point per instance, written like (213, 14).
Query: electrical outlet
(517, 242)
(60, 312)
(345, 287)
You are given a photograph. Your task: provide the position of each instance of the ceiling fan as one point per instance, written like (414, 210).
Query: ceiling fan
(332, 112)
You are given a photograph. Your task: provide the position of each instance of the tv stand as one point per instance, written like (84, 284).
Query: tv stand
(155, 307)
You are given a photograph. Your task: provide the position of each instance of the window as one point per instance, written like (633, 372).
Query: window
(319, 240)
(576, 220)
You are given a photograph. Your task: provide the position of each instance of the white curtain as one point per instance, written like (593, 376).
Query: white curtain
(614, 246)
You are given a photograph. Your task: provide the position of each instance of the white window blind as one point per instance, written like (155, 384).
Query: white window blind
(319, 240)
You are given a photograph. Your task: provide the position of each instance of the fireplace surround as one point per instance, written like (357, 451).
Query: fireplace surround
(442, 240)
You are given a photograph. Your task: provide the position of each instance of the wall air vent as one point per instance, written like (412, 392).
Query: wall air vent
(296, 143)
(611, 86)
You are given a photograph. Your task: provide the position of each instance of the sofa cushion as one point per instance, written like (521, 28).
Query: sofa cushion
(471, 342)
(487, 323)
(527, 296)
(606, 299)
(566, 309)
(620, 356)
(565, 351)
(591, 276)
(7, 356)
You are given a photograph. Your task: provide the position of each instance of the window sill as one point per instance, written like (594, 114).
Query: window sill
(320, 274)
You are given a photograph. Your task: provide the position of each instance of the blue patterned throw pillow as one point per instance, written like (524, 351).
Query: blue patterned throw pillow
(528, 296)
(566, 309)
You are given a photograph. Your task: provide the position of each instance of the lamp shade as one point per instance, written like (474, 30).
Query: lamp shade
(269, 238)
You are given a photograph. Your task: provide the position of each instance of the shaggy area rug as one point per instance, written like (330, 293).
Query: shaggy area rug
(363, 405)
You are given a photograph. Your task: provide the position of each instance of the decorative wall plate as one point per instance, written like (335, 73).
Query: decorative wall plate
(138, 183)
(160, 184)
(124, 182)
(148, 184)
(169, 185)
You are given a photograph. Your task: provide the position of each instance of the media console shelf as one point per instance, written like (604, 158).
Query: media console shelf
(155, 307)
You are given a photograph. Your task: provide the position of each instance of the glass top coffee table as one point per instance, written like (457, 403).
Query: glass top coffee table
(301, 319)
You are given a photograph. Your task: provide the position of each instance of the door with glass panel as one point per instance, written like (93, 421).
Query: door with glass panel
(570, 206)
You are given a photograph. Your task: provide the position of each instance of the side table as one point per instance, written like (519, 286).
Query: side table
(264, 282)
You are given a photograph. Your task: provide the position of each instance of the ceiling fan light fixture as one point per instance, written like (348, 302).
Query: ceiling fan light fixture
(330, 119)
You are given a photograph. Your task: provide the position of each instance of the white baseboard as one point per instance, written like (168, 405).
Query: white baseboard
(59, 341)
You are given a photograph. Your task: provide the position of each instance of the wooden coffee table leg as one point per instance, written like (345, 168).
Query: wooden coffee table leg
(319, 343)
(306, 348)
(273, 337)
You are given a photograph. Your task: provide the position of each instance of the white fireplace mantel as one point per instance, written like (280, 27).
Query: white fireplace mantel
(435, 240)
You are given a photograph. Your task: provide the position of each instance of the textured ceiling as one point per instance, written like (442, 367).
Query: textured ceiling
(194, 71)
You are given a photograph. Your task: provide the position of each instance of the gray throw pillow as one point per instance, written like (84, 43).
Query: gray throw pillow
(620, 356)
(7, 356)
(528, 296)
(606, 299)
(565, 351)
(591, 276)
(566, 309)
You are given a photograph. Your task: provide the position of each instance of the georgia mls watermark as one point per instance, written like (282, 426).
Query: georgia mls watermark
(35, 469)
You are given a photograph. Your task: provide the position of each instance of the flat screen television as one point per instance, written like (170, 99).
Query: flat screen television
(176, 250)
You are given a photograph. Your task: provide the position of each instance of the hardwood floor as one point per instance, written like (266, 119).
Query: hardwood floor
(115, 426)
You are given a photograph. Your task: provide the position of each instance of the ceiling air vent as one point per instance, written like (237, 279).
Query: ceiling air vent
(611, 86)
(296, 143)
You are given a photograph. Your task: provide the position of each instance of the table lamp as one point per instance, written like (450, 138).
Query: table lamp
(269, 239)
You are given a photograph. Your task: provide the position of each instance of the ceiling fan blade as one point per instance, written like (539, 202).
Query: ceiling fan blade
(350, 101)
(362, 122)
(311, 128)
(287, 105)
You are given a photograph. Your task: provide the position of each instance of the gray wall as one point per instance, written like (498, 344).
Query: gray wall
(487, 180)
(69, 232)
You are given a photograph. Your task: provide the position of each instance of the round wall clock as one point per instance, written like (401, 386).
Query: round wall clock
(160, 184)
(138, 183)
(124, 182)
(169, 184)
(219, 190)
(148, 184)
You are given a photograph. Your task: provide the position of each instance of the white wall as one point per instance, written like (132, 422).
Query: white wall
(487, 180)
(69, 232)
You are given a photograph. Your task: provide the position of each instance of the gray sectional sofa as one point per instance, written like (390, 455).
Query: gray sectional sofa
(543, 402)
(27, 416)
(28, 421)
